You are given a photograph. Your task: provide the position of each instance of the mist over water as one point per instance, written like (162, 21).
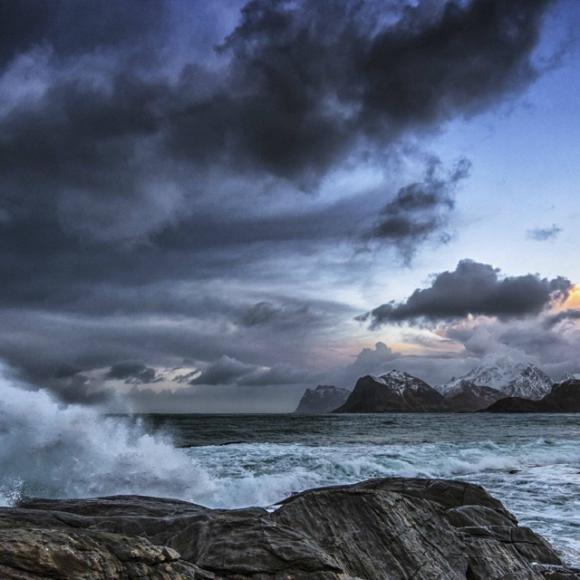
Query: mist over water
(530, 462)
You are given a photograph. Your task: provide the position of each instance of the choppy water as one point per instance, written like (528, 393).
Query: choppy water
(530, 462)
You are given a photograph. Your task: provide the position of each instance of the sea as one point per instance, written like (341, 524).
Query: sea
(530, 462)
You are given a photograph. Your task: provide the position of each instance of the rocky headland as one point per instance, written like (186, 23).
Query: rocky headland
(563, 398)
(322, 399)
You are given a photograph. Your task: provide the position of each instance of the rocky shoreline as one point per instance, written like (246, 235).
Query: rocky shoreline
(379, 529)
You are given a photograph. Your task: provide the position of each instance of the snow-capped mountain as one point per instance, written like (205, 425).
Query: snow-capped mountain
(394, 391)
(399, 381)
(322, 399)
(523, 380)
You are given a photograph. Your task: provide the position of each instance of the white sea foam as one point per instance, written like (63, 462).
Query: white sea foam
(49, 450)
(250, 474)
(539, 483)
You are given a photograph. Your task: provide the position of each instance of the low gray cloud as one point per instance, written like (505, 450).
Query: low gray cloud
(279, 374)
(373, 360)
(132, 373)
(267, 313)
(556, 351)
(80, 389)
(225, 371)
(562, 316)
(481, 341)
(475, 289)
(544, 234)
(229, 371)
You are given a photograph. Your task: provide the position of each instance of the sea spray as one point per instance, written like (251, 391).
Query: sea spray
(54, 451)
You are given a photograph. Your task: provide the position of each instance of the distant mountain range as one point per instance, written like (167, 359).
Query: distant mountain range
(501, 387)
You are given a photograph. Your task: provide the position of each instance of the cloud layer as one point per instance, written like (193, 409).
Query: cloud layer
(173, 174)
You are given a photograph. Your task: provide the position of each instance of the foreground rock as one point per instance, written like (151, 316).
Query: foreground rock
(379, 529)
(393, 392)
(322, 399)
(563, 398)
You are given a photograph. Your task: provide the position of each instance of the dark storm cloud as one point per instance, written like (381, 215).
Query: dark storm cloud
(476, 289)
(544, 234)
(134, 158)
(75, 27)
(317, 77)
(419, 209)
(303, 86)
(266, 313)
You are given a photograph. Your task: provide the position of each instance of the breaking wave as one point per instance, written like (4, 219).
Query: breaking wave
(53, 451)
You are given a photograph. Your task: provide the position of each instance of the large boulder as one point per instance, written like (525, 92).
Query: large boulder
(380, 529)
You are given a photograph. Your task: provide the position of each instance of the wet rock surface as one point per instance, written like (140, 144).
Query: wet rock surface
(379, 529)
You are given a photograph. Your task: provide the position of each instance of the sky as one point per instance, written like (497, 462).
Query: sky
(209, 207)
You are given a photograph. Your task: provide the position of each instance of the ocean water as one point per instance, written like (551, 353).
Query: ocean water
(530, 462)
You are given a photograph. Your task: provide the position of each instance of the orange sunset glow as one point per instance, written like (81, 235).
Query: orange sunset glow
(573, 300)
